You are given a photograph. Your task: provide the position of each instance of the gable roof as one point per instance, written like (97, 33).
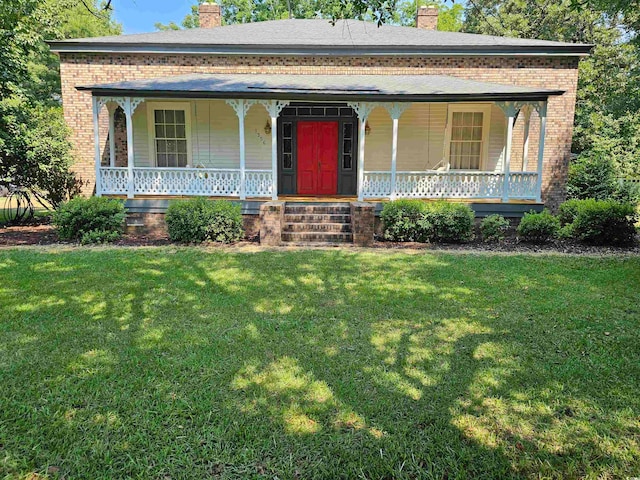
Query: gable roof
(318, 36)
(419, 88)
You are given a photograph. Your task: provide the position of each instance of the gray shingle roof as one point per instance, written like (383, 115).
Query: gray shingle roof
(312, 35)
(321, 87)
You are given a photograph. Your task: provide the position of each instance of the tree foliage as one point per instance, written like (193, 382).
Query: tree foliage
(607, 121)
(401, 12)
(35, 155)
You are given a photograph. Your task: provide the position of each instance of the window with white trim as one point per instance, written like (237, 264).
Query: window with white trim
(170, 138)
(468, 136)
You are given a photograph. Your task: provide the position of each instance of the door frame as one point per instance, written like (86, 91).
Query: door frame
(347, 179)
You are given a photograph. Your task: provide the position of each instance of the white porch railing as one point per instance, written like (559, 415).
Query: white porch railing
(114, 180)
(210, 182)
(521, 185)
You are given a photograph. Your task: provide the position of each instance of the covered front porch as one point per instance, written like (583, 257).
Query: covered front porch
(373, 138)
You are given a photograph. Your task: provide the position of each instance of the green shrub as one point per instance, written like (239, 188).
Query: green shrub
(494, 228)
(400, 221)
(418, 221)
(199, 219)
(627, 192)
(568, 210)
(99, 236)
(447, 222)
(90, 220)
(538, 227)
(604, 222)
(592, 177)
(596, 177)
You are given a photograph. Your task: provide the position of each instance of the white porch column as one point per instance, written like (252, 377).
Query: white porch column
(541, 108)
(112, 139)
(274, 107)
(526, 111)
(129, 106)
(395, 111)
(96, 139)
(362, 109)
(510, 110)
(129, 117)
(241, 108)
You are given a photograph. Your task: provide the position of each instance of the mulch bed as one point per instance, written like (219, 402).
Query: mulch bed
(40, 232)
(512, 245)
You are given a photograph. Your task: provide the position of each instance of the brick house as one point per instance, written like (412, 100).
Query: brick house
(302, 110)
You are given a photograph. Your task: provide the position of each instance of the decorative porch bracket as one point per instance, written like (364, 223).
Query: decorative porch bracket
(241, 108)
(362, 109)
(395, 112)
(274, 107)
(511, 110)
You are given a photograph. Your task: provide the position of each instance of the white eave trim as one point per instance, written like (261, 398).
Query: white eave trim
(64, 47)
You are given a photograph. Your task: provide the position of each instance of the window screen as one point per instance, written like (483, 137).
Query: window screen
(171, 138)
(466, 140)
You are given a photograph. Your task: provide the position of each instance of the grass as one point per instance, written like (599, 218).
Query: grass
(191, 363)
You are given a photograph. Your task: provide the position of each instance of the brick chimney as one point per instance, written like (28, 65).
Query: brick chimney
(427, 18)
(209, 14)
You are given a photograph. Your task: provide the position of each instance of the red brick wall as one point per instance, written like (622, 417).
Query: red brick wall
(543, 72)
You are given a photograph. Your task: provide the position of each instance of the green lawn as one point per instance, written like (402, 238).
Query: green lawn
(171, 363)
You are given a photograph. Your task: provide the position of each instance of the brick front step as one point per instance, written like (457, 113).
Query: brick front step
(331, 209)
(317, 237)
(317, 244)
(317, 227)
(317, 218)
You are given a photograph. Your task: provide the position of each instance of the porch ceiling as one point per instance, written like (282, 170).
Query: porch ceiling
(403, 88)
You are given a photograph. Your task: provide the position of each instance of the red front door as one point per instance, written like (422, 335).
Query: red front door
(317, 158)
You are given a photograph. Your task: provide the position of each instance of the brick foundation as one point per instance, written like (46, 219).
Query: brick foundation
(154, 223)
(271, 219)
(147, 223)
(362, 223)
(542, 72)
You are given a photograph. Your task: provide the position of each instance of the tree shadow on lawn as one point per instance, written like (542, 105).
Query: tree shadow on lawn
(311, 364)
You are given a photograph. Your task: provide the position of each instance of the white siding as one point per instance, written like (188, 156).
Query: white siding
(141, 157)
(421, 131)
(421, 137)
(497, 138)
(257, 142)
(214, 134)
(377, 149)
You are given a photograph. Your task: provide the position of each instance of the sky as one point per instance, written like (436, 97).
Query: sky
(139, 16)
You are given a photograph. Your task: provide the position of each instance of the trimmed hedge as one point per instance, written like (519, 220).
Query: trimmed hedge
(494, 228)
(419, 221)
(199, 219)
(400, 221)
(538, 227)
(90, 220)
(450, 222)
(568, 211)
(599, 222)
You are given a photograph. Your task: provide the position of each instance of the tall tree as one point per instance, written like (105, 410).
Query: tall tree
(607, 121)
(35, 154)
